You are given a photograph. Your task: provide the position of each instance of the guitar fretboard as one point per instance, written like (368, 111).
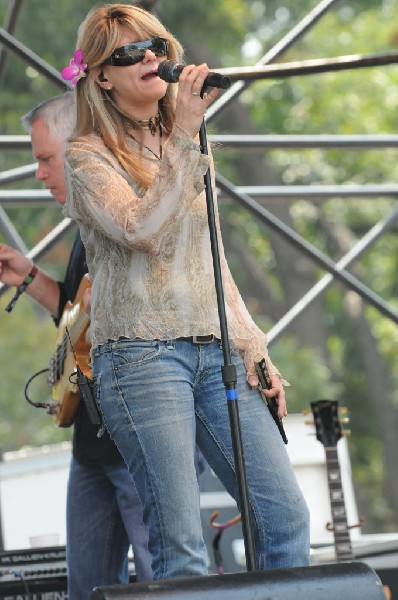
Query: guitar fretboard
(341, 533)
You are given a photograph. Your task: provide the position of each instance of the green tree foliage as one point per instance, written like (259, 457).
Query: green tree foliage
(361, 101)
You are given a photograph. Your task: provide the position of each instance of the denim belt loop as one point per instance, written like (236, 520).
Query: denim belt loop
(203, 339)
(170, 344)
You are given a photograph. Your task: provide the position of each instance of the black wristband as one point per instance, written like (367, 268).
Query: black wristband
(21, 288)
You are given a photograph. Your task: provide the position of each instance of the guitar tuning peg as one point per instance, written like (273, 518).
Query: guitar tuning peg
(346, 432)
(345, 420)
(343, 410)
(307, 422)
(306, 411)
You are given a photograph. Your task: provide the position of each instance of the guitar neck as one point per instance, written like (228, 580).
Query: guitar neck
(341, 533)
(77, 327)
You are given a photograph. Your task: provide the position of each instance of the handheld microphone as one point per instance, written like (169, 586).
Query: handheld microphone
(170, 71)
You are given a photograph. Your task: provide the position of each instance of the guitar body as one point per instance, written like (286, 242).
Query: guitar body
(72, 331)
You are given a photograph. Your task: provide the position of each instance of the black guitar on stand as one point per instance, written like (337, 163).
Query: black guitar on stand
(329, 432)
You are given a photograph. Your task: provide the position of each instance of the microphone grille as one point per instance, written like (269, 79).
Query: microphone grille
(168, 72)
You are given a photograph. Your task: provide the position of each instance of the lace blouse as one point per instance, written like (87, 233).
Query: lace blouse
(148, 251)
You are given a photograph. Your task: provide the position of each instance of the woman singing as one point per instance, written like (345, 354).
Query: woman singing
(135, 177)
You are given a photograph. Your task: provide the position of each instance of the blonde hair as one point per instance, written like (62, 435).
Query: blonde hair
(99, 35)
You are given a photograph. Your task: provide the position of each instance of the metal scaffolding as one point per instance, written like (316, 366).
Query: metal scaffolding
(246, 196)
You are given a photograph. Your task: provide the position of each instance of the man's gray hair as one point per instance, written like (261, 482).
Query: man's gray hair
(57, 112)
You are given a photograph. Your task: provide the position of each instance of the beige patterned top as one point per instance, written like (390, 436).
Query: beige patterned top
(148, 252)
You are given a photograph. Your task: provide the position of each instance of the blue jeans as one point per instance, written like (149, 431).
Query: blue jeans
(157, 398)
(104, 516)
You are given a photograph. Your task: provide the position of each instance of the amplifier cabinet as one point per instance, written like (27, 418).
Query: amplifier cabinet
(33, 574)
(35, 589)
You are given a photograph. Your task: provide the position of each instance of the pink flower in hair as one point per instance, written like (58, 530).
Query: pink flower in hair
(76, 68)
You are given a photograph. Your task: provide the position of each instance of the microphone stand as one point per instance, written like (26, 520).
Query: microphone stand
(228, 371)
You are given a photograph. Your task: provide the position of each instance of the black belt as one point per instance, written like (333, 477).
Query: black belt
(198, 339)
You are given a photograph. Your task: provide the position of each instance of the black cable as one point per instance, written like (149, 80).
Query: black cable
(36, 404)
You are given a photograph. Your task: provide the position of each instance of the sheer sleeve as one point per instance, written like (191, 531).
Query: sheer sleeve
(247, 336)
(101, 195)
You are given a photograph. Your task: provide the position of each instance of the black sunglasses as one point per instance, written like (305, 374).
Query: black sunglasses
(133, 53)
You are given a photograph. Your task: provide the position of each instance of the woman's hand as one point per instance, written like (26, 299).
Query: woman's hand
(190, 108)
(276, 391)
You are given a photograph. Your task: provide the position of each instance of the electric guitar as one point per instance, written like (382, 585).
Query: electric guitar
(72, 347)
(329, 432)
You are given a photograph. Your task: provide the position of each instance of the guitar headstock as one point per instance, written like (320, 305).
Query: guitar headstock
(327, 422)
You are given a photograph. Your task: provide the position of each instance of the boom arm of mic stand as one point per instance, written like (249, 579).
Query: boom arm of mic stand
(228, 371)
